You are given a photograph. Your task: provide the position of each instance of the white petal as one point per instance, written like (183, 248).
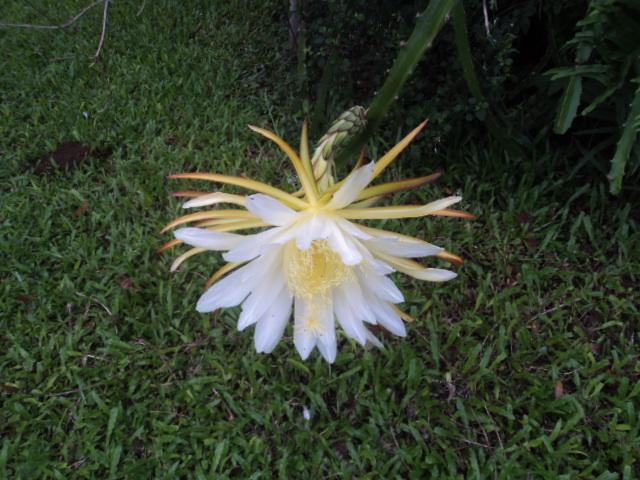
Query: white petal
(372, 339)
(357, 302)
(379, 285)
(234, 288)
(431, 274)
(327, 344)
(254, 245)
(262, 298)
(270, 210)
(344, 246)
(387, 317)
(314, 326)
(352, 186)
(316, 227)
(228, 292)
(271, 325)
(303, 337)
(352, 326)
(402, 247)
(440, 204)
(415, 270)
(247, 319)
(383, 268)
(351, 228)
(203, 238)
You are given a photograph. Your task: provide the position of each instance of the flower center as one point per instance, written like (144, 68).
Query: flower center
(314, 271)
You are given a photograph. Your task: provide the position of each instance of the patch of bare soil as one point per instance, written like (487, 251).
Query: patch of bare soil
(67, 156)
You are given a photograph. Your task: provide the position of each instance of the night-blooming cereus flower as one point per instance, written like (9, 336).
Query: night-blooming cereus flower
(310, 258)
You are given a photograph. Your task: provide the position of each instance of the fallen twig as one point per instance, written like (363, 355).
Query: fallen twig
(66, 24)
(105, 15)
(71, 21)
(141, 8)
(95, 300)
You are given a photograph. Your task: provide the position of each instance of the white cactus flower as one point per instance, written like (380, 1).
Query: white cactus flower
(310, 257)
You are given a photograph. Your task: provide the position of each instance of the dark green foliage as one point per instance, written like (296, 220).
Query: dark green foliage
(352, 46)
(428, 25)
(505, 55)
(607, 61)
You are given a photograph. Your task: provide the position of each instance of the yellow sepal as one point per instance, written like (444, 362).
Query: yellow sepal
(247, 183)
(308, 184)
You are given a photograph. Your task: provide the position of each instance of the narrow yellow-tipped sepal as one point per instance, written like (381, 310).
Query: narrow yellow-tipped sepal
(368, 203)
(189, 253)
(305, 156)
(403, 315)
(216, 222)
(306, 180)
(384, 213)
(221, 272)
(399, 186)
(188, 194)
(399, 211)
(231, 226)
(450, 257)
(447, 212)
(168, 245)
(391, 155)
(247, 183)
(215, 198)
(211, 214)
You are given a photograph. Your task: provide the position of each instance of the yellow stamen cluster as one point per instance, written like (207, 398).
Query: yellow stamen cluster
(315, 271)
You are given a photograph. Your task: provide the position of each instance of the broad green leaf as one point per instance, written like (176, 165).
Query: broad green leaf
(594, 71)
(625, 144)
(464, 50)
(568, 105)
(427, 27)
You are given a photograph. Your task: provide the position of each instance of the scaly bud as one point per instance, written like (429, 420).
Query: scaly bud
(349, 124)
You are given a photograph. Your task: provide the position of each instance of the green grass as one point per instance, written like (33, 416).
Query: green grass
(526, 366)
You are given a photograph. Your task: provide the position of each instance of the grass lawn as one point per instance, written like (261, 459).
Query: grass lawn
(525, 366)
